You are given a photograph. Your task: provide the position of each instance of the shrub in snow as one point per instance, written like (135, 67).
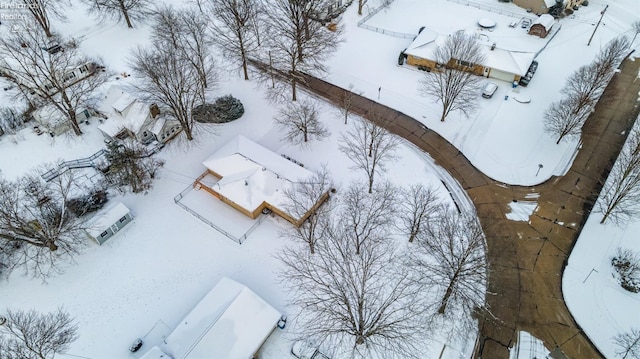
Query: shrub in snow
(224, 109)
(627, 265)
(87, 204)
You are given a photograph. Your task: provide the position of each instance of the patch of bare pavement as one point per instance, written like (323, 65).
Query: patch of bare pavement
(526, 259)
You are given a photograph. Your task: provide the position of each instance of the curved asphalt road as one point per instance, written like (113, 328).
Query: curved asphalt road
(526, 260)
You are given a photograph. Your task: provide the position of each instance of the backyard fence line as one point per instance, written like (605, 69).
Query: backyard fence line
(189, 188)
(238, 240)
(490, 8)
(362, 24)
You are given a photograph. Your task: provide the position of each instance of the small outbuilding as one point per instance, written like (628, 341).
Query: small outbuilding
(108, 223)
(542, 26)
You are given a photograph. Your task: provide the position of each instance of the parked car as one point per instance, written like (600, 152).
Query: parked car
(525, 23)
(136, 345)
(524, 81)
(303, 350)
(489, 89)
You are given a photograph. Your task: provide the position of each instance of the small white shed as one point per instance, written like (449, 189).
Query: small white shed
(108, 223)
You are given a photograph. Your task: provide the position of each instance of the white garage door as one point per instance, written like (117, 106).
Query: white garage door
(501, 75)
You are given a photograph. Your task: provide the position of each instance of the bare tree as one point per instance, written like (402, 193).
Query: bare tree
(417, 205)
(565, 118)
(635, 27)
(586, 85)
(449, 257)
(300, 122)
(30, 334)
(454, 82)
(233, 28)
(127, 10)
(169, 79)
(35, 224)
(131, 168)
(297, 42)
(362, 305)
(65, 79)
(303, 199)
(628, 344)
(347, 101)
(620, 195)
(369, 146)
(367, 217)
(186, 32)
(40, 10)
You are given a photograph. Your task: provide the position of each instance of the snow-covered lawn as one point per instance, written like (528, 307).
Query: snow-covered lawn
(166, 260)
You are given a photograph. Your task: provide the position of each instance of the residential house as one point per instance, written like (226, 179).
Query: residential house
(109, 222)
(542, 26)
(500, 64)
(51, 120)
(231, 321)
(537, 6)
(251, 178)
(127, 116)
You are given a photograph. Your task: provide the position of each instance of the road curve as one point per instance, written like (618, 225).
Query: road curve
(526, 259)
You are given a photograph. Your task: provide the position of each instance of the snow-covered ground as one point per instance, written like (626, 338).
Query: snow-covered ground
(505, 139)
(592, 292)
(153, 272)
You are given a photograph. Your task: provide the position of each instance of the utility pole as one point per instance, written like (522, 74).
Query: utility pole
(598, 24)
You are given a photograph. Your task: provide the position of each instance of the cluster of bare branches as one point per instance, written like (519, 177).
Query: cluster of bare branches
(449, 259)
(367, 217)
(417, 207)
(40, 10)
(235, 28)
(584, 87)
(303, 200)
(298, 43)
(361, 304)
(176, 72)
(361, 296)
(33, 335)
(628, 344)
(131, 168)
(65, 79)
(300, 122)
(37, 229)
(620, 197)
(453, 83)
(127, 10)
(370, 147)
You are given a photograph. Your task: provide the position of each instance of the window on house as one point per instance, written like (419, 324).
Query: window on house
(103, 234)
(123, 219)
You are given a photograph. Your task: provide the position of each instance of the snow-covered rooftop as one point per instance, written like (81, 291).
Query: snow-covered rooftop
(231, 321)
(123, 111)
(105, 220)
(545, 20)
(515, 62)
(252, 174)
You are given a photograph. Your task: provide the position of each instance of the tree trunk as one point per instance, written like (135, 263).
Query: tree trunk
(606, 215)
(293, 89)
(447, 295)
(125, 13)
(52, 245)
(360, 4)
(559, 139)
(371, 182)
